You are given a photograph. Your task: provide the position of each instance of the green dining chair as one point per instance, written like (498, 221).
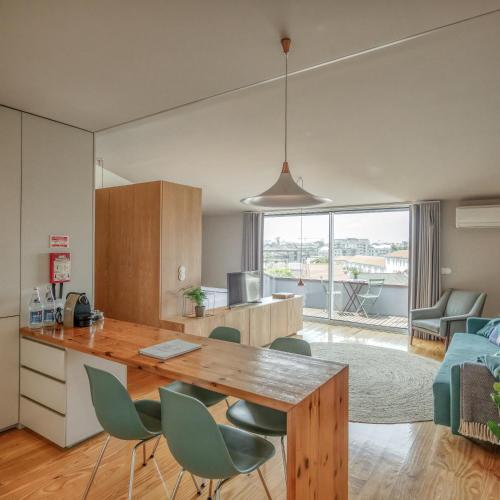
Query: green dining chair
(207, 397)
(205, 448)
(122, 418)
(260, 419)
(226, 333)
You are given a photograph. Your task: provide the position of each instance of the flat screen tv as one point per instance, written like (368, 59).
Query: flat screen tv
(243, 288)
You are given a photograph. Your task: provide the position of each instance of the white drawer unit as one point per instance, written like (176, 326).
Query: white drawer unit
(48, 423)
(55, 394)
(43, 358)
(44, 390)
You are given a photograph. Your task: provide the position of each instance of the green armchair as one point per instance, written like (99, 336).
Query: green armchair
(449, 315)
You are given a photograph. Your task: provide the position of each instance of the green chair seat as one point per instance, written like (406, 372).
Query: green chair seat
(207, 397)
(149, 412)
(257, 419)
(248, 452)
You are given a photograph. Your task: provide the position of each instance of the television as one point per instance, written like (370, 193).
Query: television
(243, 288)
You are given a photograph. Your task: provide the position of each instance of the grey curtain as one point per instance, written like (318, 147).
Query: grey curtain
(253, 228)
(425, 266)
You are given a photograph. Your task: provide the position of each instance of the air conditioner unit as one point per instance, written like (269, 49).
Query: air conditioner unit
(478, 216)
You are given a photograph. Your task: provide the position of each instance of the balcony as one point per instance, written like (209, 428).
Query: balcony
(389, 311)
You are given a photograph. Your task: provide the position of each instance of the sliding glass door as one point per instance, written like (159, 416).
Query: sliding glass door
(370, 272)
(296, 259)
(350, 266)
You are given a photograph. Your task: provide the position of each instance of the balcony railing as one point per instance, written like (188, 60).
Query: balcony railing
(390, 310)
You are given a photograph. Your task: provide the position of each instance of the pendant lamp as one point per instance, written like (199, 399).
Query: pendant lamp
(285, 192)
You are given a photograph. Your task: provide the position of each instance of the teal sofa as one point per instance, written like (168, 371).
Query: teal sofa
(464, 348)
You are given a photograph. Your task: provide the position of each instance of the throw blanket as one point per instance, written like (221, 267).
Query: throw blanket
(476, 407)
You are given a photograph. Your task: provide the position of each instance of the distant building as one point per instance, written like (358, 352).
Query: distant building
(350, 246)
(377, 249)
(397, 262)
(364, 263)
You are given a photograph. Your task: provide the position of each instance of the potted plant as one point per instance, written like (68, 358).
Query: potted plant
(495, 396)
(354, 271)
(197, 296)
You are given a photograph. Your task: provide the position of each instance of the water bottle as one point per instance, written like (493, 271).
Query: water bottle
(35, 309)
(49, 309)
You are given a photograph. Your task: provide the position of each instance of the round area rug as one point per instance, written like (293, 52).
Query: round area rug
(386, 386)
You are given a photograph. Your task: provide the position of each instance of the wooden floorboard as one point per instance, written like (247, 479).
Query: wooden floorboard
(378, 320)
(403, 461)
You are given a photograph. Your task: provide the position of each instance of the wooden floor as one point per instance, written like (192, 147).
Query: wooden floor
(403, 461)
(379, 321)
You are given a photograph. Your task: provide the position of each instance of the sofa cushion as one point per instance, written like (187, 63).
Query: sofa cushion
(486, 330)
(463, 347)
(431, 325)
(494, 337)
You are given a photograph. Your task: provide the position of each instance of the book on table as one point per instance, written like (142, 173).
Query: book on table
(169, 349)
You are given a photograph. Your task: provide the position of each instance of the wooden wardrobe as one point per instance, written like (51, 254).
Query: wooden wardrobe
(144, 233)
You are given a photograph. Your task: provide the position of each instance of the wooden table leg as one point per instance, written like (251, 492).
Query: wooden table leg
(317, 435)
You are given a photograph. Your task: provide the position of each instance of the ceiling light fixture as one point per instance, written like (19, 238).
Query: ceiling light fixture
(285, 192)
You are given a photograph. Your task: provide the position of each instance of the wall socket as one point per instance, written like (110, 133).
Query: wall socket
(445, 270)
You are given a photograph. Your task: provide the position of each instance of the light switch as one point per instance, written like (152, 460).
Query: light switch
(181, 273)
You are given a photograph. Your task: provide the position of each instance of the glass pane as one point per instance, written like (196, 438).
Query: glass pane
(298, 247)
(370, 271)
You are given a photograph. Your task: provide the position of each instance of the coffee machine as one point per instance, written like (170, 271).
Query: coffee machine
(77, 311)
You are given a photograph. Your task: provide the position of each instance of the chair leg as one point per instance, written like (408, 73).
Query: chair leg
(96, 466)
(218, 488)
(412, 333)
(227, 403)
(198, 489)
(264, 484)
(446, 342)
(132, 470)
(155, 447)
(283, 453)
(160, 475)
(177, 484)
(362, 308)
(144, 462)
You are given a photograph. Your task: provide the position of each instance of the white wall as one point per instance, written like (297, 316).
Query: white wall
(57, 198)
(221, 248)
(473, 257)
(10, 210)
(105, 178)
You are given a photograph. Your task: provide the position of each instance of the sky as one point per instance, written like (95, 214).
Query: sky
(390, 226)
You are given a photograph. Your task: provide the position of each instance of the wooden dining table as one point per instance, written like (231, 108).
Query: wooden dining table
(312, 392)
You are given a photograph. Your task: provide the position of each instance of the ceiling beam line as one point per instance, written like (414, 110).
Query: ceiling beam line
(325, 64)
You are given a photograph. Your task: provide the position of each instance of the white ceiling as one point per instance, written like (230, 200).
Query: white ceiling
(95, 63)
(415, 121)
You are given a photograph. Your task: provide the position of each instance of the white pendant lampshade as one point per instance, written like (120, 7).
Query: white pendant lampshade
(285, 192)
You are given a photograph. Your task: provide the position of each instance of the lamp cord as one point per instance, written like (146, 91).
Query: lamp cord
(286, 103)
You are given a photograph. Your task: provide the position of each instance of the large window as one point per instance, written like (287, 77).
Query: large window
(353, 265)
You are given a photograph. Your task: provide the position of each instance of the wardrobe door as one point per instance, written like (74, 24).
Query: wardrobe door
(9, 371)
(10, 210)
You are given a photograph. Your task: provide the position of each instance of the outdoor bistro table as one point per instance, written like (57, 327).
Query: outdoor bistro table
(352, 288)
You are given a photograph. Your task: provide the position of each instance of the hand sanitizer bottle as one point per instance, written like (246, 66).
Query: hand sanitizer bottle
(49, 310)
(35, 318)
